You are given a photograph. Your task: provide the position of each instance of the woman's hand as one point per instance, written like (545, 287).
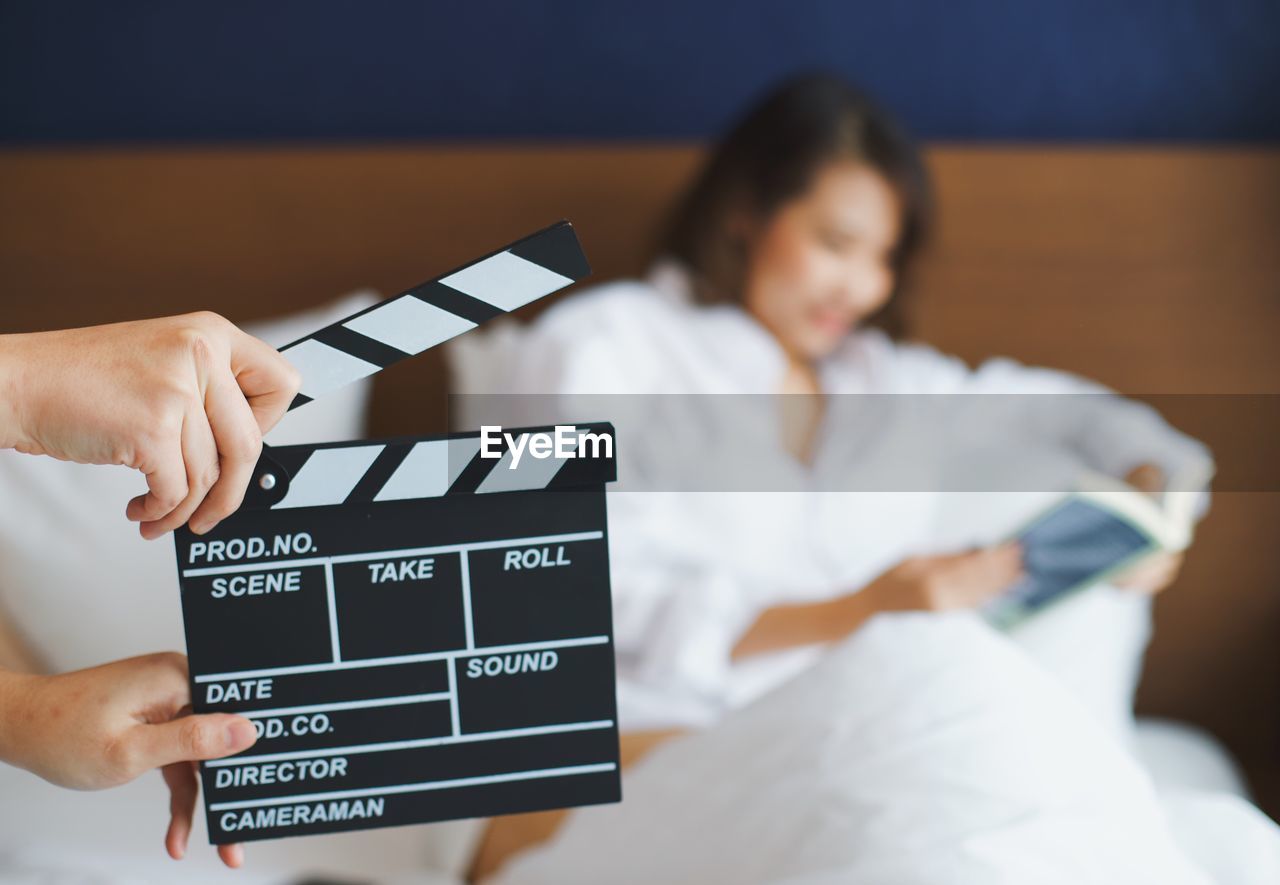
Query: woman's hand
(1154, 573)
(185, 400)
(944, 583)
(106, 725)
(1147, 478)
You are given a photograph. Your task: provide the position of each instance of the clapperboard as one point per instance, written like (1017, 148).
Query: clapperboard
(418, 631)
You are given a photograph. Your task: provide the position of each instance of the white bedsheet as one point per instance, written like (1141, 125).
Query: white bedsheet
(926, 749)
(116, 837)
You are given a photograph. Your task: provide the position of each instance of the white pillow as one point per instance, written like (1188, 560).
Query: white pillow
(925, 749)
(76, 579)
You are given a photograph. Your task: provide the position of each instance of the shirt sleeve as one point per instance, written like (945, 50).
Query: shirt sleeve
(677, 616)
(1109, 433)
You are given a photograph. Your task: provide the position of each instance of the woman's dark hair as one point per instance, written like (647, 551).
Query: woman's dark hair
(770, 157)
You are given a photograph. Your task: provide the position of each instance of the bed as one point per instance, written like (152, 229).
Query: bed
(1149, 269)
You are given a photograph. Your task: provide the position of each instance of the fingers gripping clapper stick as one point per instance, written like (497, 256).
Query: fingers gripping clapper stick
(419, 628)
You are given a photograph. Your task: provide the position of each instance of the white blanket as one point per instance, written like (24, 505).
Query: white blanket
(926, 749)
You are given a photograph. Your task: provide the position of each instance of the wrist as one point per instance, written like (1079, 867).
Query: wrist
(12, 389)
(15, 714)
(873, 598)
(855, 609)
(890, 593)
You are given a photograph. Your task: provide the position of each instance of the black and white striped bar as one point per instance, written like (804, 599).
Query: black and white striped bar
(437, 310)
(374, 471)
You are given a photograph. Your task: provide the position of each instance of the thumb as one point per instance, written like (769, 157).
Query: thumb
(1147, 478)
(266, 378)
(193, 738)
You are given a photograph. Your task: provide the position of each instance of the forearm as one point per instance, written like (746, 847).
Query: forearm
(789, 626)
(15, 689)
(946, 582)
(11, 390)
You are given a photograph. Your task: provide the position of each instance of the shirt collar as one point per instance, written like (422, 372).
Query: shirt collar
(729, 334)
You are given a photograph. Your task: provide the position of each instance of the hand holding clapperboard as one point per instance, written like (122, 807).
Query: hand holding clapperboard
(418, 633)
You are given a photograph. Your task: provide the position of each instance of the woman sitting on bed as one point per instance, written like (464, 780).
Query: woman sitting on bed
(779, 274)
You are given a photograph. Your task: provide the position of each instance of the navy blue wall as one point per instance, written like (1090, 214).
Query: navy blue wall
(227, 70)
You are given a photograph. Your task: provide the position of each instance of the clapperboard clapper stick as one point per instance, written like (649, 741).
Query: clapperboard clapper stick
(420, 628)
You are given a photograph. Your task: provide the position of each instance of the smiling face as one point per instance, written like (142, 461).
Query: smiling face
(823, 262)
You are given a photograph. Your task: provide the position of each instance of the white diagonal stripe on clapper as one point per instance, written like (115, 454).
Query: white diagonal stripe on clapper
(533, 473)
(429, 469)
(328, 476)
(409, 324)
(506, 281)
(324, 368)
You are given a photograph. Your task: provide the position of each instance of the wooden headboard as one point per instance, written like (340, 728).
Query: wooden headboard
(1154, 271)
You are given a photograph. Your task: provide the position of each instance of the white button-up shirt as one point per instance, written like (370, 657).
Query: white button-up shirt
(712, 521)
